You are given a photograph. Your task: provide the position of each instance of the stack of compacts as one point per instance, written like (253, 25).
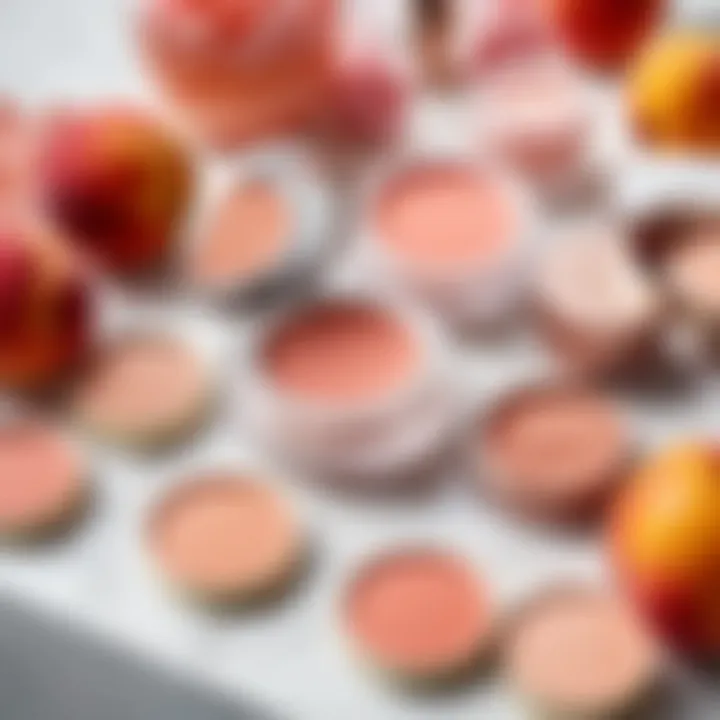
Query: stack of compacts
(354, 296)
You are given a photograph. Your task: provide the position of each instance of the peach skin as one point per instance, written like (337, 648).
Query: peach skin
(45, 305)
(604, 34)
(117, 182)
(673, 93)
(664, 540)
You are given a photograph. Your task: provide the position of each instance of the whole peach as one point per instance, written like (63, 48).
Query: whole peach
(118, 182)
(604, 33)
(673, 93)
(664, 538)
(45, 305)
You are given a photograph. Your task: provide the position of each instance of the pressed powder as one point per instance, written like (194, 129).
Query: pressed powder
(248, 236)
(341, 354)
(454, 235)
(553, 451)
(597, 308)
(144, 391)
(692, 270)
(419, 614)
(578, 652)
(445, 218)
(535, 116)
(42, 479)
(224, 537)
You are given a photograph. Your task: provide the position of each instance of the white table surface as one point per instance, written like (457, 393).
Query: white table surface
(289, 658)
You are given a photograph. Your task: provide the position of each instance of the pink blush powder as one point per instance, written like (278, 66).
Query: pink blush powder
(445, 218)
(418, 611)
(344, 354)
(41, 478)
(247, 237)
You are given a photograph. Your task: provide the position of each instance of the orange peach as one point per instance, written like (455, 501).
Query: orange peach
(604, 33)
(664, 538)
(118, 182)
(673, 93)
(45, 305)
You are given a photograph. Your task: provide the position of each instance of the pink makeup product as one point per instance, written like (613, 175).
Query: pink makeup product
(453, 234)
(509, 31)
(271, 224)
(145, 392)
(577, 652)
(241, 70)
(43, 483)
(692, 270)
(553, 452)
(418, 616)
(537, 117)
(351, 387)
(597, 309)
(224, 538)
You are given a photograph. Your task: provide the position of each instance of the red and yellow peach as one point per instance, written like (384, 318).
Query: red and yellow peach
(604, 33)
(45, 305)
(117, 182)
(664, 539)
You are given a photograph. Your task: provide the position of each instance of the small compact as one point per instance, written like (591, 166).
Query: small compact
(352, 387)
(574, 652)
(552, 452)
(420, 616)
(268, 224)
(43, 480)
(598, 311)
(455, 234)
(144, 391)
(225, 538)
(537, 116)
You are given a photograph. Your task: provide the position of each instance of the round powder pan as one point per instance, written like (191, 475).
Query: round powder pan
(537, 116)
(44, 487)
(224, 539)
(578, 652)
(419, 616)
(457, 235)
(270, 224)
(597, 310)
(551, 451)
(145, 391)
(353, 388)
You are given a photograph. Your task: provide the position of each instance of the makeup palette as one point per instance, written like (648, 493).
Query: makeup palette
(315, 391)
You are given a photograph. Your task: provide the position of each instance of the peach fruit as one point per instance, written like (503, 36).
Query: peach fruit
(664, 538)
(45, 305)
(604, 33)
(673, 93)
(117, 182)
